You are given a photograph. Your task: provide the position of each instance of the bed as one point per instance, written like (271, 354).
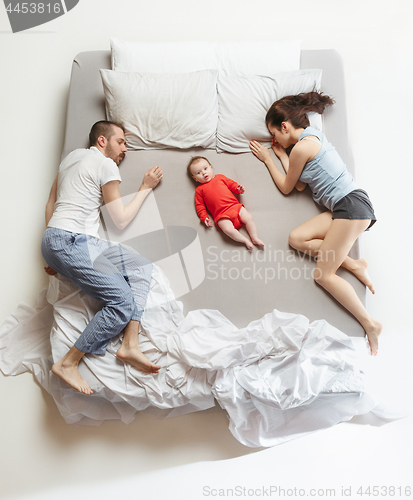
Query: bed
(174, 199)
(251, 330)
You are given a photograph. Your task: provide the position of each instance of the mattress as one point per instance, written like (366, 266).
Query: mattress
(241, 285)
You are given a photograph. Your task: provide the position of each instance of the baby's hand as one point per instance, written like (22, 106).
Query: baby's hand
(208, 222)
(241, 189)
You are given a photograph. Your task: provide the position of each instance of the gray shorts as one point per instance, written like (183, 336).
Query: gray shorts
(356, 205)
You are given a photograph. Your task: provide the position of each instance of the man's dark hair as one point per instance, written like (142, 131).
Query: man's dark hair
(103, 127)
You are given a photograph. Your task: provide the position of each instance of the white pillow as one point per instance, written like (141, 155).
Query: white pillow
(243, 102)
(251, 58)
(162, 111)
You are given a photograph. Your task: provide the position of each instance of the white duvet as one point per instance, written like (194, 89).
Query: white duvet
(278, 378)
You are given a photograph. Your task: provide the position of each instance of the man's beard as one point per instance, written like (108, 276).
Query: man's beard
(110, 153)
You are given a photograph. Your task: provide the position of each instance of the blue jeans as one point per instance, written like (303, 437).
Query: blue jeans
(114, 274)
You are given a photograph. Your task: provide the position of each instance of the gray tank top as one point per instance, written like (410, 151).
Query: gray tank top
(326, 173)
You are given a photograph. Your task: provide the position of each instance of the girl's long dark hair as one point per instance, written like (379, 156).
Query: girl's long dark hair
(296, 107)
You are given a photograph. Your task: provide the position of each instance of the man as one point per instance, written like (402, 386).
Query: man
(111, 273)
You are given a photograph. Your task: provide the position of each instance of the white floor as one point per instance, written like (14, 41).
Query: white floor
(195, 456)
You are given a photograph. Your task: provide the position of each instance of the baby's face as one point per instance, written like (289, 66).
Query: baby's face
(202, 171)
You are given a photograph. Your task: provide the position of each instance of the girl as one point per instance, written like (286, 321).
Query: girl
(330, 235)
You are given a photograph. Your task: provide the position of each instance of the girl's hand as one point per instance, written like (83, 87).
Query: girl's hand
(241, 189)
(277, 148)
(261, 152)
(208, 222)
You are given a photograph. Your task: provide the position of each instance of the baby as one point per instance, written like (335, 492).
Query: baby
(215, 194)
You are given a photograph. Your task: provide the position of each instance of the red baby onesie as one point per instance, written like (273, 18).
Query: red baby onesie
(216, 196)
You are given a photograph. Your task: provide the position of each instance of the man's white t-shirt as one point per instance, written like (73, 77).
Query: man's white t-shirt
(79, 190)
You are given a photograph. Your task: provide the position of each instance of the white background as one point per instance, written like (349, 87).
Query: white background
(177, 458)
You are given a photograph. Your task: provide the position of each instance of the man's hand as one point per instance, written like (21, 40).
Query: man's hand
(48, 270)
(208, 222)
(122, 214)
(241, 189)
(152, 178)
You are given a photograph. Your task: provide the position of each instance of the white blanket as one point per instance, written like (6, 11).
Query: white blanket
(278, 378)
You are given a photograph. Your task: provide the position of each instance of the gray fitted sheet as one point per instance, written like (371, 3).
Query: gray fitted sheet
(235, 280)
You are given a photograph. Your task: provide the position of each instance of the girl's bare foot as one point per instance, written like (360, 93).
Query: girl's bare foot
(373, 333)
(69, 373)
(360, 271)
(136, 358)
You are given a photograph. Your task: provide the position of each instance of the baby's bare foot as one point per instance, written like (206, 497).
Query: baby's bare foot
(362, 274)
(249, 245)
(257, 241)
(373, 333)
(71, 376)
(137, 359)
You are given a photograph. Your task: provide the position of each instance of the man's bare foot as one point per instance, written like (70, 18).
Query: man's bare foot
(258, 242)
(373, 333)
(136, 358)
(360, 271)
(69, 373)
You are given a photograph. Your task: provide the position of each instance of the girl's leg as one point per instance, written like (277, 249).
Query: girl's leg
(337, 242)
(247, 219)
(308, 238)
(228, 228)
